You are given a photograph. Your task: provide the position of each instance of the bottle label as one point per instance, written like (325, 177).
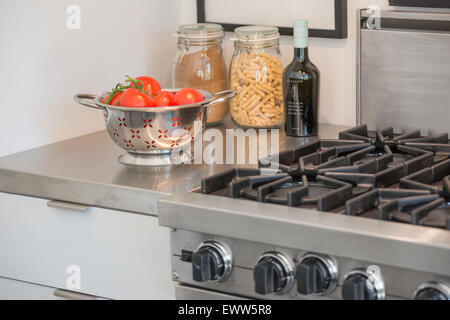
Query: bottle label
(295, 108)
(299, 97)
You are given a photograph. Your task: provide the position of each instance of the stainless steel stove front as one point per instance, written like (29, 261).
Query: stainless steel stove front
(390, 283)
(296, 253)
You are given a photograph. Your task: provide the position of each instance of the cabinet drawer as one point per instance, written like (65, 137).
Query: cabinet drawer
(113, 254)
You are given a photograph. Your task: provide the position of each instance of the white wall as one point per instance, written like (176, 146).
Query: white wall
(43, 63)
(335, 58)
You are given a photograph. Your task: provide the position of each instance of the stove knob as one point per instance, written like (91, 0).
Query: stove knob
(432, 291)
(316, 275)
(211, 262)
(361, 284)
(273, 273)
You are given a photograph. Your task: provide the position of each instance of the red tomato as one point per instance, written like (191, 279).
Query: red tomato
(115, 100)
(151, 86)
(133, 98)
(187, 96)
(163, 99)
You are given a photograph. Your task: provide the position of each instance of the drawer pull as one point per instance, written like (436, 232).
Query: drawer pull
(72, 295)
(67, 205)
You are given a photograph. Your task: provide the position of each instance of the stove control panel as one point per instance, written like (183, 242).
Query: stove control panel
(432, 291)
(316, 275)
(360, 284)
(212, 262)
(273, 273)
(259, 270)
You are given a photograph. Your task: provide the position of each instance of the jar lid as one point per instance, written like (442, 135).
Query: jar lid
(199, 31)
(256, 33)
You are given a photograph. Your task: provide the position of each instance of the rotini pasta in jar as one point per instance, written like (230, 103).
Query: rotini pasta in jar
(256, 75)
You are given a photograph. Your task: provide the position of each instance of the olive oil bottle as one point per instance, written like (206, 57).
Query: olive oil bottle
(301, 80)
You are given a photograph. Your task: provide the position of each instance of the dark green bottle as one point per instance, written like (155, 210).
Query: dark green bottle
(301, 81)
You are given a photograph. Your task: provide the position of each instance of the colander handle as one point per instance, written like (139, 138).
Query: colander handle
(222, 96)
(87, 100)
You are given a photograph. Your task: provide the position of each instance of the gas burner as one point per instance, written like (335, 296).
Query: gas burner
(248, 187)
(387, 136)
(418, 211)
(367, 181)
(324, 192)
(413, 159)
(367, 160)
(436, 179)
(437, 144)
(372, 167)
(441, 151)
(320, 154)
(313, 163)
(418, 207)
(368, 204)
(280, 188)
(231, 183)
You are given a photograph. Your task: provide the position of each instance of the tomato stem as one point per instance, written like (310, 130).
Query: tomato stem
(133, 83)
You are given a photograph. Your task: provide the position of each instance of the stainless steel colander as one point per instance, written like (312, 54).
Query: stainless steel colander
(157, 130)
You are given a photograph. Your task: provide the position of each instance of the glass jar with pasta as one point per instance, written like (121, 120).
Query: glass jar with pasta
(256, 75)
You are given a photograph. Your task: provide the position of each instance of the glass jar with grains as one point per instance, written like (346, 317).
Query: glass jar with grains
(256, 75)
(200, 64)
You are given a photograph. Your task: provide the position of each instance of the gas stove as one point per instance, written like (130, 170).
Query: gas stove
(378, 175)
(365, 216)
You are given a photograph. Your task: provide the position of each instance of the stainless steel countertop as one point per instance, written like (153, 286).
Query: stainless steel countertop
(85, 170)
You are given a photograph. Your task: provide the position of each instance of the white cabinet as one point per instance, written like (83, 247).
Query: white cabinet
(111, 254)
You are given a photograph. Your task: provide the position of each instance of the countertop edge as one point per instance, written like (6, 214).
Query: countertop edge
(123, 198)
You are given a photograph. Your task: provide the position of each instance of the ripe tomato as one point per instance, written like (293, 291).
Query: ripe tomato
(163, 99)
(133, 98)
(115, 100)
(187, 96)
(151, 86)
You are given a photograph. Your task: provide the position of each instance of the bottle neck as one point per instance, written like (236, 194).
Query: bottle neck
(301, 54)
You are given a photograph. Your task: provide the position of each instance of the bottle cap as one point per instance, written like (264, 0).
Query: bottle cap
(300, 34)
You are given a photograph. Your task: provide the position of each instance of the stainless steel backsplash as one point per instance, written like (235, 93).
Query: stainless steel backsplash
(404, 72)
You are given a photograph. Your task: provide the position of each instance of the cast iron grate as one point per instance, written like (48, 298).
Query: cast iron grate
(378, 175)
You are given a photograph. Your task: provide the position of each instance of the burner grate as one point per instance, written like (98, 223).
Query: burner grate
(378, 175)
(233, 180)
(380, 203)
(427, 179)
(358, 133)
(430, 211)
(324, 192)
(321, 154)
